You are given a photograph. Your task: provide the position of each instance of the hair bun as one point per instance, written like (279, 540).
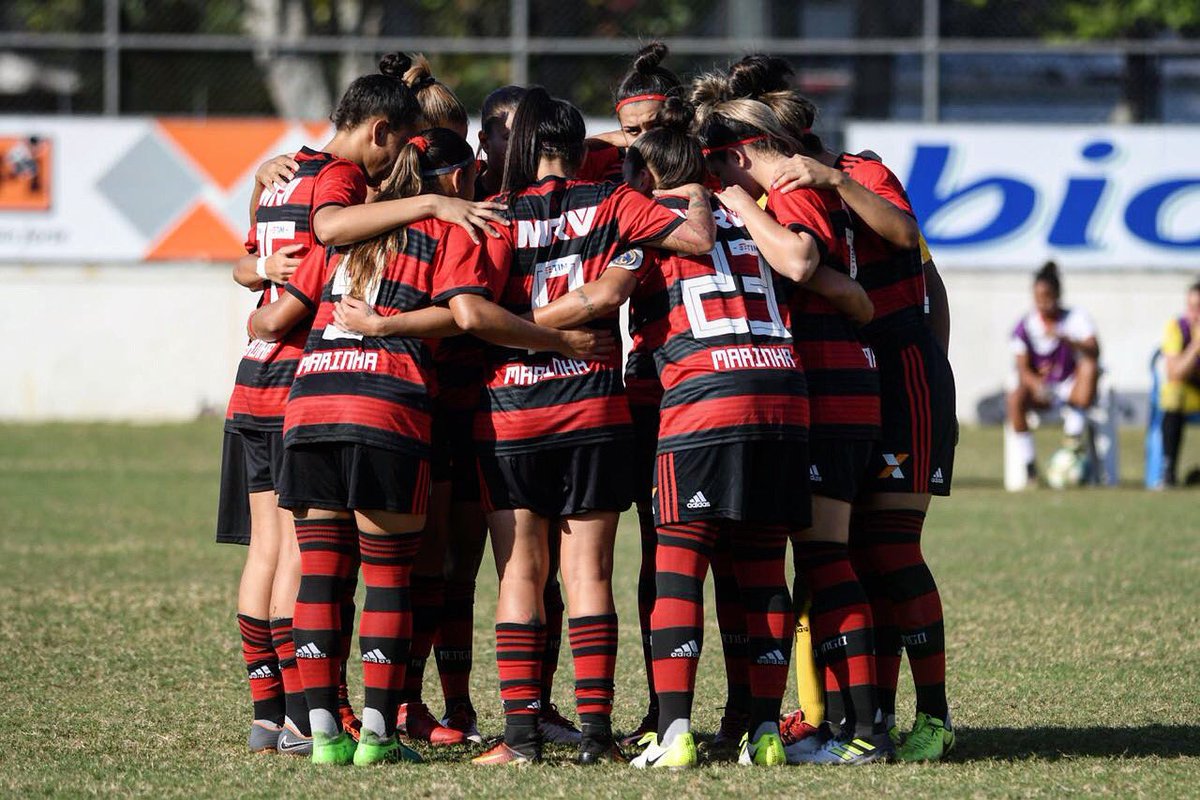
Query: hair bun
(649, 57)
(394, 65)
(759, 74)
(1048, 272)
(676, 115)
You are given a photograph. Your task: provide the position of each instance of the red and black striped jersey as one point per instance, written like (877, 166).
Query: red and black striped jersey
(602, 162)
(564, 234)
(648, 307)
(284, 217)
(893, 277)
(362, 389)
(460, 366)
(843, 382)
(724, 355)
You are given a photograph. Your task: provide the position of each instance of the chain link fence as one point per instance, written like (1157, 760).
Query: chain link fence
(953, 60)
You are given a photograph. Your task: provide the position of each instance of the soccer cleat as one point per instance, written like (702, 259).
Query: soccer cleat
(765, 751)
(809, 744)
(597, 745)
(414, 721)
(555, 728)
(852, 752)
(350, 723)
(374, 750)
(503, 754)
(648, 724)
(264, 736)
(793, 728)
(680, 754)
(293, 743)
(462, 718)
(336, 750)
(930, 740)
(732, 731)
(895, 735)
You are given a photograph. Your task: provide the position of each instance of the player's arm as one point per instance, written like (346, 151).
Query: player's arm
(274, 172)
(481, 317)
(1088, 347)
(254, 271)
(599, 298)
(939, 303)
(1028, 377)
(271, 322)
(358, 316)
(794, 255)
(339, 225)
(843, 293)
(898, 227)
(1181, 361)
(698, 233)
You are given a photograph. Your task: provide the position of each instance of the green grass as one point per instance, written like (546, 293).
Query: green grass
(1072, 624)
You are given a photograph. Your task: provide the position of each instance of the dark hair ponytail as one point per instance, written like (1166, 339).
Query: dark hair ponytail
(670, 152)
(647, 77)
(541, 126)
(500, 103)
(768, 79)
(1048, 274)
(383, 94)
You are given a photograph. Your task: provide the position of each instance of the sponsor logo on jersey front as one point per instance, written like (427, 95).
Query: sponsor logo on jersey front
(892, 462)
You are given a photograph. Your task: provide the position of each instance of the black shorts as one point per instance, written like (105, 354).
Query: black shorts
(250, 462)
(337, 476)
(839, 467)
(760, 482)
(560, 482)
(645, 447)
(915, 454)
(454, 458)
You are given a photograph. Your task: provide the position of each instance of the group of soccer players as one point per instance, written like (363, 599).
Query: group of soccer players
(428, 370)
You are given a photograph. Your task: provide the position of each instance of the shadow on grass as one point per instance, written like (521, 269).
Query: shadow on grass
(1051, 743)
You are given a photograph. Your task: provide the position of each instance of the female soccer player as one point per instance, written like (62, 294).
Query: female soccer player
(440, 107)
(746, 144)
(494, 130)
(570, 465)
(1180, 392)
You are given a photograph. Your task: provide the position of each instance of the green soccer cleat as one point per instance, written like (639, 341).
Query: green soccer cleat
(765, 751)
(337, 750)
(895, 735)
(374, 750)
(930, 740)
(681, 754)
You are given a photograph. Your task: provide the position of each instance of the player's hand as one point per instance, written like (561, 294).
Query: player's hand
(472, 217)
(802, 172)
(280, 265)
(356, 316)
(276, 172)
(736, 199)
(588, 345)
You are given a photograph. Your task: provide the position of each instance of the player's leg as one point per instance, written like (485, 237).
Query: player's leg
(644, 399)
(554, 727)
(455, 643)
(1020, 402)
(888, 650)
(1173, 423)
(731, 621)
(254, 613)
(587, 561)
(810, 686)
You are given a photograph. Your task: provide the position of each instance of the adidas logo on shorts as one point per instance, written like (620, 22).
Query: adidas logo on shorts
(687, 650)
(376, 656)
(264, 671)
(310, 650)
(698, 501)
(814, 474)
(937, 476)
(772, 658)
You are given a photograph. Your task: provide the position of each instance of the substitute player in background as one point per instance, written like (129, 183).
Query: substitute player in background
(1180, 393)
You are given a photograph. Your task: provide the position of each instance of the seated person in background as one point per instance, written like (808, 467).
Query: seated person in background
(1180, 392)
(1057, 360)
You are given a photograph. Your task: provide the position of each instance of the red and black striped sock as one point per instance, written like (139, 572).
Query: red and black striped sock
(887, 635)
(428, 598)
(385, 633)
(519, 651)
(645, 596)
(895, 551)
(295, 706)
(594, 653)
(455, 643)
(328, 553)
(677, 622)
(348, 610)
(262, 669)
(842, 631)
(553, 599)
(759, 564)
(731, 621)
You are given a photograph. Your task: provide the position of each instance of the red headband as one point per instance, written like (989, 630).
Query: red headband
(419, 142)
(637, 98)
(708, 151)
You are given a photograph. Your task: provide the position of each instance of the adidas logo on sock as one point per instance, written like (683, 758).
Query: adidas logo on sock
(773, 658)
(310, 650)
(376, 656)
(698, 501)
(687, 650)
(814, 474)
(937, 476)
(264, 671)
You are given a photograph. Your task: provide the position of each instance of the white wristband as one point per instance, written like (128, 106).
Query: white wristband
(260, 267)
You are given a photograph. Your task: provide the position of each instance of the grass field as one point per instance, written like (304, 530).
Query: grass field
(1072, 619)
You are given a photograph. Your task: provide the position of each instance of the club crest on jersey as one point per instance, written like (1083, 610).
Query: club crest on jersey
(630, 259)
(569, 225)
(893, 462)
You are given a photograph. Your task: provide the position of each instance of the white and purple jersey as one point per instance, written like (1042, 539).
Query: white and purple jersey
(1050, 355)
